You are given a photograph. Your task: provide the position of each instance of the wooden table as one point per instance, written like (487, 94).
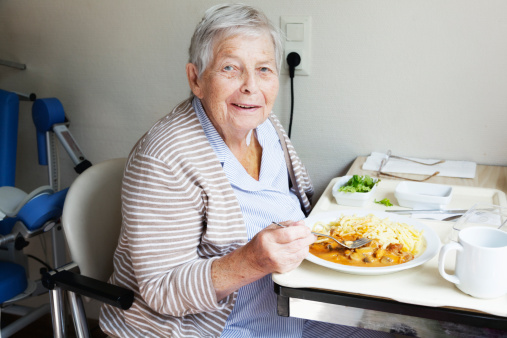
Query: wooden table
(300, 293)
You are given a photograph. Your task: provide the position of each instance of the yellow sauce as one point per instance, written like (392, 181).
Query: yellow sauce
(363, 257)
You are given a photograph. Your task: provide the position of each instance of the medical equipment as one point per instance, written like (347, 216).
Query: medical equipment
(25, 215)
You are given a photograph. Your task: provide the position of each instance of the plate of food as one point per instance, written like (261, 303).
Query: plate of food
(397, 242)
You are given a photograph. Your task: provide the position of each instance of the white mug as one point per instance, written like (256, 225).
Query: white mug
(481, 269)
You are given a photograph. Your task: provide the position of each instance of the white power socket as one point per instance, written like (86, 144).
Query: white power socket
(297, 30)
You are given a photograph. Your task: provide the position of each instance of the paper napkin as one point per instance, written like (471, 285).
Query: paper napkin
(461, 169)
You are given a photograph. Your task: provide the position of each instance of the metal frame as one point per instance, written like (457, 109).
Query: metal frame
(58, 312)
(383, 314)
(66, 282)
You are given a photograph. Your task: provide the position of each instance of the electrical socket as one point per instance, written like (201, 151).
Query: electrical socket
(297, 30)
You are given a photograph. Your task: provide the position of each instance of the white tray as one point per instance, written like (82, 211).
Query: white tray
(421, 285)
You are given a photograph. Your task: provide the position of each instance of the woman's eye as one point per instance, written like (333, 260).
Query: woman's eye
(228, 68)
(265, 69)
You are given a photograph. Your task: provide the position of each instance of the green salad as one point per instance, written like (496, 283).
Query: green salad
(359, 183)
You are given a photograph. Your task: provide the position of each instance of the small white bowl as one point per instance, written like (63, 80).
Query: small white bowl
(353, 199)
(419, 195)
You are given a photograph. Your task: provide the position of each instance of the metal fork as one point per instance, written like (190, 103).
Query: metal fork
(348, 244)
(390, 155)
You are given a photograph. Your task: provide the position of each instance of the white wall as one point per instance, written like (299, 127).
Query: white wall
(422, 78)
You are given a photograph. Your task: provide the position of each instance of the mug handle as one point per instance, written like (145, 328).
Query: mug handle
(441, 260)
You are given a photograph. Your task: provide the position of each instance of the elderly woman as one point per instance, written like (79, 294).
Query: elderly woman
(200, 191)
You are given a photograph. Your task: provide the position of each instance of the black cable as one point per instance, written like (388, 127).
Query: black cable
(293, 60)
(41, 261)
(291, 103)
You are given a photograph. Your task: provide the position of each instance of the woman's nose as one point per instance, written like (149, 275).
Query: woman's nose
(249, 84)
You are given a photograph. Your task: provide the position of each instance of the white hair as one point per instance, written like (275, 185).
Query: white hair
(222, 21)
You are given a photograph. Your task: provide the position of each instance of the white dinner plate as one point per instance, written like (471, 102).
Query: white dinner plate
(431, 238)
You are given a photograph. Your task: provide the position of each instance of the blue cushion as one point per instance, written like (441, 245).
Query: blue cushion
(12, 280)
(41, 209)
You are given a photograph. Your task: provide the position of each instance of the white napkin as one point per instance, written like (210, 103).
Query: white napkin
(462, 169)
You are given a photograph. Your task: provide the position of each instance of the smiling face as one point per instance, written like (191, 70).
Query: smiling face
(239, 86)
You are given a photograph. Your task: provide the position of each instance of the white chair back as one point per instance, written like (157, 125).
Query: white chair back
(92, 218)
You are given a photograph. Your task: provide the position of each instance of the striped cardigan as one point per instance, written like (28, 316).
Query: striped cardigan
(179, 214)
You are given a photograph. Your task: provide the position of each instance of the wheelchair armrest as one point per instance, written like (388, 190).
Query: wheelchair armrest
(93, 288)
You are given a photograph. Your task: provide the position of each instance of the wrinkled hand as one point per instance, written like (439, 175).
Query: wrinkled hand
(274, 249)
(277, 249)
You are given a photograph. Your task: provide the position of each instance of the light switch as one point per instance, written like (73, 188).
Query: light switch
(295, 32)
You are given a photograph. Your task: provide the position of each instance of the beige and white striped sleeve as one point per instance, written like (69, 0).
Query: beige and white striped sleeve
(164, 216)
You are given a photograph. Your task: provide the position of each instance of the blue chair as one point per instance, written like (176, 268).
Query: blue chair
(24, 215)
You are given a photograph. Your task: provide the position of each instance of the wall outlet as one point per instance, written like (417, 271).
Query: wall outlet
(297, 30)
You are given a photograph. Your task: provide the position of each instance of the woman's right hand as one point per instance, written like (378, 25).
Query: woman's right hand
(273, 249)
(277, 249)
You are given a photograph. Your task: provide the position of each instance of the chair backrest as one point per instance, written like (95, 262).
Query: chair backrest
(92, 217)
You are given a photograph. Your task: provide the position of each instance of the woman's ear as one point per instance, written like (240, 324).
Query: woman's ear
(193, 80)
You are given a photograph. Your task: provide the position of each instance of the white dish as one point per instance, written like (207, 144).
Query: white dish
(420, 195)
(431, 238)
(351, 199)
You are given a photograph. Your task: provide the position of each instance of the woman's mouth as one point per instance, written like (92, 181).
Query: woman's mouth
(245, 106)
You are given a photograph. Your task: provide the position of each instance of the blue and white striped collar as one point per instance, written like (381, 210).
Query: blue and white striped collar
(272, 154)
(211, 133)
